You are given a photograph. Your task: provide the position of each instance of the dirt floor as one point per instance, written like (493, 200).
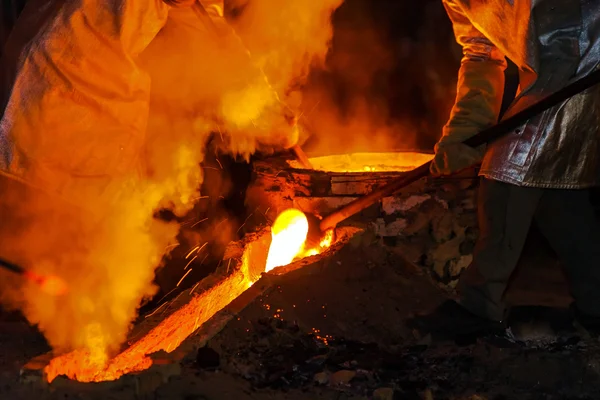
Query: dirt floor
(336, 330)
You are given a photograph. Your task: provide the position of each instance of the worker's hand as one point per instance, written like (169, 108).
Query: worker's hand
(454, 157)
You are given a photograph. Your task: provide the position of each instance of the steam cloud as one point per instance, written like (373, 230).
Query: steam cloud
(389, 80)
(101, 236)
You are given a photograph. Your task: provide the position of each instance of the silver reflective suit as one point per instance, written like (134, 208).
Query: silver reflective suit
(552, 42)
(536, 172)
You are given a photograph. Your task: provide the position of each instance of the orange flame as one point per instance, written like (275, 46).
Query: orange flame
(289, 234)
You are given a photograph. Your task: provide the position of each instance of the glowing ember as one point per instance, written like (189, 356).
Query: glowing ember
(368, 162)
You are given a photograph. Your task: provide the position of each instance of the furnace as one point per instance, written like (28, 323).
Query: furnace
(427, 221)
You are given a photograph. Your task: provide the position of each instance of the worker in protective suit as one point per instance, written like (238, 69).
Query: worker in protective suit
(76, 99)
(539, 172)
(72, 77)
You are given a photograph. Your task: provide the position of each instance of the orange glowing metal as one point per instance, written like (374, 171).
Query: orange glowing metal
(289, 234)
(92, 365)
(368, 162)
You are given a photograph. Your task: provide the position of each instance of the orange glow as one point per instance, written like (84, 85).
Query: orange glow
(91, 366)
(192, 309)
(368, 162)
(288, 243)
(289, 234)
(51, 285)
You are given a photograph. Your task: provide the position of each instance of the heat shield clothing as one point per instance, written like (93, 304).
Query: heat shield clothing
(553, 43)
(77, 102)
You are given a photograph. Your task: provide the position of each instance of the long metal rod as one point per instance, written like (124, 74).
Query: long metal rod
(486, 136)
(302, 157)
(12, 267)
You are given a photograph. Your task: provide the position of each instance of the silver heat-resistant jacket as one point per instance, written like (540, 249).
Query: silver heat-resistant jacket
(552, 42)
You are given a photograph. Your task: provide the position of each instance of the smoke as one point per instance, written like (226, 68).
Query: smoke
(389, 80)
(101, 236)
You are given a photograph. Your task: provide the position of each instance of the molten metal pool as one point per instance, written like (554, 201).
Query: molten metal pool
(367, 162)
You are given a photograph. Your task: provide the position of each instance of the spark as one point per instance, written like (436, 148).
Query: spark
(199, 222)
(200, 198)
(191, 261)
(220, 133)
(155, 311)
(191, 251)
(204, 259)
(203, 246)
(216, 169)
(228, 265)
(246, 220)
(186, 274)
(220, 165)
(165, 296)
(171, 246)
(194, 288)
(225, 220)
(312, 109)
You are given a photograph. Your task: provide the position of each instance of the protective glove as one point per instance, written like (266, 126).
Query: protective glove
(454, 157)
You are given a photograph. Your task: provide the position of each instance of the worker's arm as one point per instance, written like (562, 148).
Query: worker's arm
(479, 95)
(78, 102)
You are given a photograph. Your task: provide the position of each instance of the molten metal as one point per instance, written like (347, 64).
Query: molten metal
(289, 233)
(368, 162)
(84, 366)
(288, 241)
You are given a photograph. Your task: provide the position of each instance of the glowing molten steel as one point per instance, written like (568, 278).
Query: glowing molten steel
(288, 243)
(368, 162)
(289, 234)
(91, 366)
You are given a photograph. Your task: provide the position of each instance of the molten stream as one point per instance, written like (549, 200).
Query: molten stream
(288, 243)
(368, 162)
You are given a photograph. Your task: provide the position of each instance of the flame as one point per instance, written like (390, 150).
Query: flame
(289, 235)
(92, 364)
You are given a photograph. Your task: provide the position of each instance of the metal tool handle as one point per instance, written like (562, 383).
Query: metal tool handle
(485, 136)
(11, 267)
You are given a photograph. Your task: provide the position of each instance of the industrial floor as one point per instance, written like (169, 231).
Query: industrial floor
(336, 330)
